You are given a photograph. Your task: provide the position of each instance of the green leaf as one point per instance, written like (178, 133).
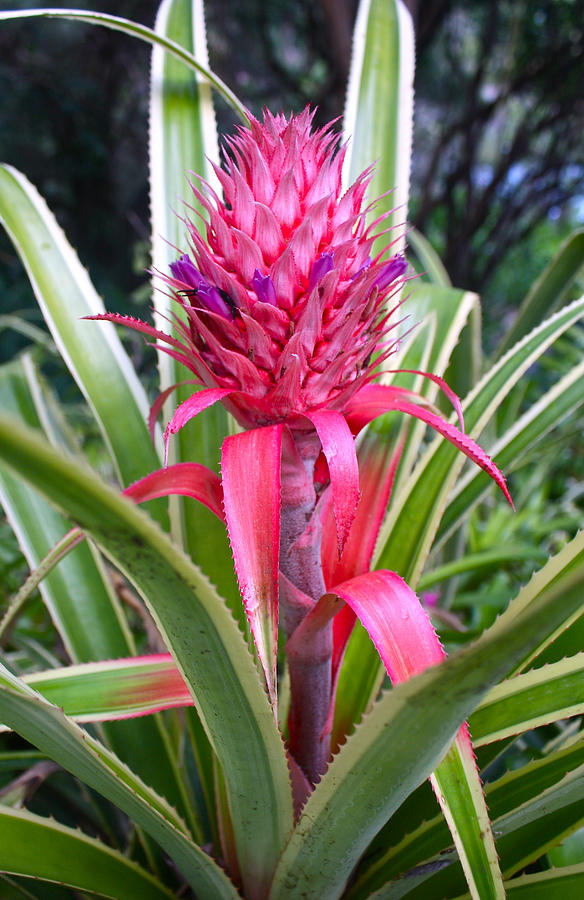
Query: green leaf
(539, 697)
(201, 634)
(93, 353)
(67, 856)
(79, 596)
(114, 688)
(80, 600)
(134, 29)
(379, 108)
(183, 140)
(525, 833)
(557, 884)
(394, 852)
(549, 291)
(561, 400)
(457, 780)
(402, 740)
(485, 561)
(78, 752)
(432, 266)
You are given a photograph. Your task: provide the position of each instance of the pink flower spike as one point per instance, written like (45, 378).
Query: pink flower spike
(191, 408)
(250, 466)
(375, 399)
(339, 449)
(185, 479)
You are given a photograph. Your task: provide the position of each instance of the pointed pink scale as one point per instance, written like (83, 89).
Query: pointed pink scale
(184, 479)
(248, 255)
(284, 278)
(319, 220)
(225, 181)
(303, 248)
(375, 399)
(286, 394)
(267, 233)
(250, 467)
(339, 449)
(261, 349)
(285, 204)
(222, 242)
(263, 185)
(243, 211)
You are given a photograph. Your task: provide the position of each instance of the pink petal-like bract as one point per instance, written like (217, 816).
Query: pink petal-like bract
(338, 447)
(396, 622)
(185, 479)
(250, 466)
(375, 399)
(378, 462)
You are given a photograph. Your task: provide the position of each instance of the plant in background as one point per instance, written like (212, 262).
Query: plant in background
(285, 309)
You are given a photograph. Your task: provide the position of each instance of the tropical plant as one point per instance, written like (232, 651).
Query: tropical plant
(262, 754)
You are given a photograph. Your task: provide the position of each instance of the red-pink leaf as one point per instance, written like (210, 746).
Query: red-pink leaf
(159, 403)
(396, 621)
(186, 479)
(339, 449)
(138, 325)
(444, 387)
(375, 399)
(250, 466)
(378, 464)
(407, 644)
(191, 408)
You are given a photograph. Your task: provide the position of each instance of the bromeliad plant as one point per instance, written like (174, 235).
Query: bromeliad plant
(288, 309)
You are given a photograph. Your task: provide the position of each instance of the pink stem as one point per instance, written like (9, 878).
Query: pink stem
(301, 585)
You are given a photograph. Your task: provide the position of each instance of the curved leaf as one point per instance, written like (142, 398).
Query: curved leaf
(250, 465)
(538, 697)
(203, 637)
(407, 643)
(94, 354)
(78, 752)
(69, 857)
(378, 115)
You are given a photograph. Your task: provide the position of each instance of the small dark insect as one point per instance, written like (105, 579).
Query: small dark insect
(191, 293)
(230, 303)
